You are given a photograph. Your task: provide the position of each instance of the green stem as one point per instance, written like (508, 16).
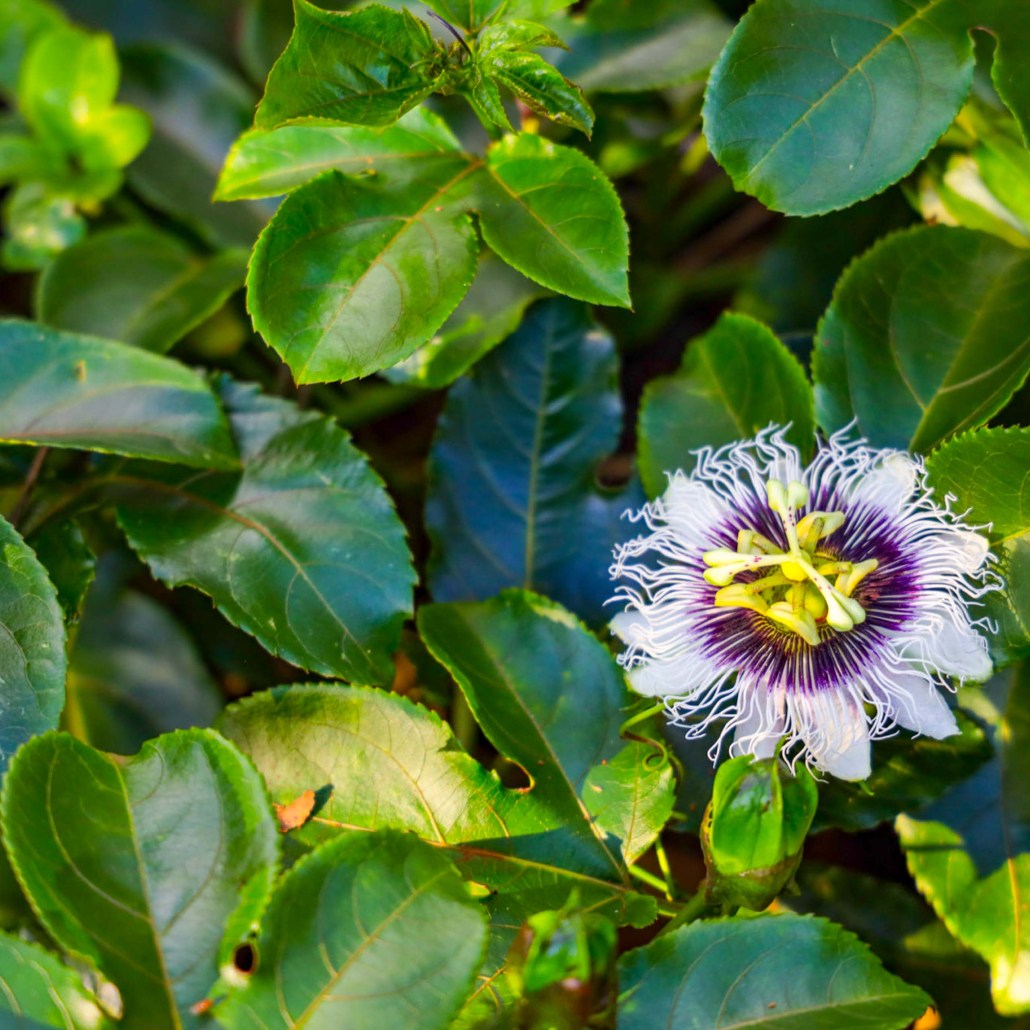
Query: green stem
(649, 878)
(694, 909)
(463, 722)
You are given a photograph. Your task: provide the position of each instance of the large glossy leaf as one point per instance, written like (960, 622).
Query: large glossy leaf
(141, 866)
(197, 109)
(970, 855)
(36, 990)
(815, 104)
(136, 285)
(134, 673)
(367, 67)
(735, 380)
(928, 334)
(774, 971)
(349, 277)
(302, 549)
(66, 390)
(32, 643)
(268, 162)
(986, 472)
(519, 487)
(370, 931)
(619, 46)
(551, 213)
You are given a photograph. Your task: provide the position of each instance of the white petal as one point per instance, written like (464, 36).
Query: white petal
(693, 509)
(761, 726)
(918, 705)
(836, 733)
(966, 549)
(890, 484)
(676, 677)
(955, 648)
(630, 626)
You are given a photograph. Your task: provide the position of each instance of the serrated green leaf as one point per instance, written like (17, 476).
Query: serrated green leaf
(36, 990)
(66, 390)
(735, 380)
(469, 15)
(986, 473)
(32, 646)
(619, 47)
(268, 162)
(369, 931)
(138, 865)
(774, 971)
(368, 273)
(520, 486)
(136, 285)
(302, 549)
(541, 87)
(551, 213)
(970, 856)
(367, 67)
(928, 334)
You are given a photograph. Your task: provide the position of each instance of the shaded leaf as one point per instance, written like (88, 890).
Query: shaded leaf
(735, 380)
(69, 561)
(302, 549)
(173, 845)
(369, 931)
(784, 970)
(520, 487)
(66, 390)
(928, 334)
(136, 285)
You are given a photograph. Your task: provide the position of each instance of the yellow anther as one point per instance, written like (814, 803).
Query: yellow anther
(723, 575)
(795, 571)
(801, 622)
(831, 567)
(848, 581)
(797, 494)
(737, 595)
(853, 608)
(816, 525)
(777, 494)
(836, 615)
(721, 556)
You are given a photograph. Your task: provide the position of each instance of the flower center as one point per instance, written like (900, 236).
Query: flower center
(796, 592)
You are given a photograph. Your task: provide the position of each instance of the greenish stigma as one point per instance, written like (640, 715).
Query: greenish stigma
(796, 592)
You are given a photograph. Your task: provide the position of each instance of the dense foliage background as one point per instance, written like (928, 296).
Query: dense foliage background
(323, 389)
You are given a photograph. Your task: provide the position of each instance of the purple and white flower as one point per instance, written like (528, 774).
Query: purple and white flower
(825, 605)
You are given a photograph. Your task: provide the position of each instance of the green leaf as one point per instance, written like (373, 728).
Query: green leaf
(735, 380)
(38, 225)
(970, 856)
(31, 646)
(491, 311)
(470, 15)
(621, 47)
(68, 560)
(134, 673)
(367, 66)
(551, 213)
(302, 549)
(21, 22)
(775, 971)
(65, 390)
(136, 285)
(928, 334)
(138, 865)
(520, 486)
(269, 162)
(541, 87)
(36, 990)
(369, 273)
(369, 931)
(530, 671)
(986, 472)
(178, 171)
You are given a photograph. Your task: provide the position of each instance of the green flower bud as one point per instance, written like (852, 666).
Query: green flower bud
(754, 829)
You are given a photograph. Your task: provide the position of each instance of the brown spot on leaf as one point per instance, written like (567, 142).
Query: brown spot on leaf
(296, 813)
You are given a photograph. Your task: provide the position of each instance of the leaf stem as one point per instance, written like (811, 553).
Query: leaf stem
(31, 478)
(694, 909)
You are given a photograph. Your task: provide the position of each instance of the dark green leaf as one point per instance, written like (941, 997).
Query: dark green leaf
(65, 390)
(491, 311)
(197, 109)
(970, 855)
(302, 549)
(620, 46)
(367, 67)
(139, 865)
(986, 472)
(134, 673)
(370, 931)
(136, 285)
(68, 560)
(349, 277)
(928, 334)
(775, 971)
(268, 162)
(552, 213)
(36, 990)
(735, 380)
(520, 485)
(32, 646)
(541, 87)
